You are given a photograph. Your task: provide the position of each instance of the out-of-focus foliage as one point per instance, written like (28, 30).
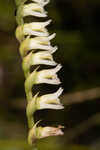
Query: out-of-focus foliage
(19, 145)
(77, 25)
(7, 12)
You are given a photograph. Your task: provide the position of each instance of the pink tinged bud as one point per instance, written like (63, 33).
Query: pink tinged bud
(43, 132)
(50, 131)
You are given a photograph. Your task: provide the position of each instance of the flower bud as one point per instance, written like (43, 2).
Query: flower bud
(43, 132)
(49, 131)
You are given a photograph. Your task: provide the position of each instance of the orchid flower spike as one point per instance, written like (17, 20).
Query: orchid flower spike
(36, 50)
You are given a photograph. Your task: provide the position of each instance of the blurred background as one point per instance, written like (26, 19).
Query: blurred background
(77, 25)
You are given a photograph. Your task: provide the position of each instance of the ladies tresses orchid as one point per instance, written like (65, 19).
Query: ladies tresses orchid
(36, 50)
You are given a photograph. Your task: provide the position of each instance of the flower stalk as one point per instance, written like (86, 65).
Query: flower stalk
(36, 49)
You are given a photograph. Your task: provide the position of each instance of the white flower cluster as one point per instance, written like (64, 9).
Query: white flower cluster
(34, 36)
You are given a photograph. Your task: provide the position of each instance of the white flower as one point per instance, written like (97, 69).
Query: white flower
(34, 9)
(43, 57)
(34, 28)
(48, 76)
(42, 43)
(42, 2)
(50, 101)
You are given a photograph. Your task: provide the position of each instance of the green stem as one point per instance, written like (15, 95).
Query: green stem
(30, 77)
(30, 121)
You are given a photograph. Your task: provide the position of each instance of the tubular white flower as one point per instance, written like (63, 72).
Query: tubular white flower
(43, 57)
(42, 43)
(34, 9)
(34, 28)
(48, 76)
(50, 101)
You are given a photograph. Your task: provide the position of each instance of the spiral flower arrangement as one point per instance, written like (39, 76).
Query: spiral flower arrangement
(35, 49)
